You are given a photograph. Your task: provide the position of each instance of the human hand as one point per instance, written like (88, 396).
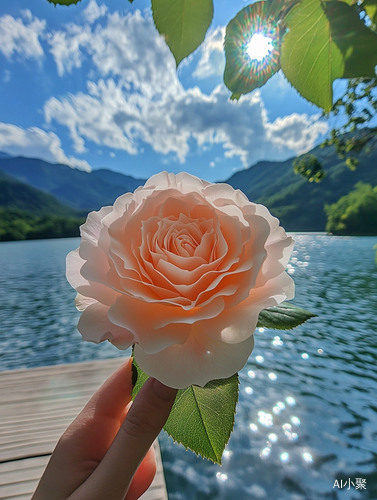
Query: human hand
(106, 454)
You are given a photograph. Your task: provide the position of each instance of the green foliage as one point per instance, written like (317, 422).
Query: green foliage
(202, 418)
(309, 167)
(64, 2)
(326, 39)
(354, 214)
(19, 225)
(243, 74)
(359, 105)
(19, 195)
(370, 7)
(286, 316)
(183, 24)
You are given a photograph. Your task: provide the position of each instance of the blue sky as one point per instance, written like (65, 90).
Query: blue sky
(94, 85)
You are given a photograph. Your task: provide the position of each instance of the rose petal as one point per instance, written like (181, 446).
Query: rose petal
(74, 264)
(143, 318)
(199, 360)
(91, 230)
(239, 322)
(149, 322)
(82, 302)
(95, 326)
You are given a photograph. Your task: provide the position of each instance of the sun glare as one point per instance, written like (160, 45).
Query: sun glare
(259, 47)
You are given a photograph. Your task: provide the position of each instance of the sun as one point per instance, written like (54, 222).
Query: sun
(259, 46)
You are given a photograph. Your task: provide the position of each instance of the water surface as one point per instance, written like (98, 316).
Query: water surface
(307, 414)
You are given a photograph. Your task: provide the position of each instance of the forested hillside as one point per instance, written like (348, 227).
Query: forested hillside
(76, 188)
(21, 196)
(28, 213)
(354, 214)
(298, 203)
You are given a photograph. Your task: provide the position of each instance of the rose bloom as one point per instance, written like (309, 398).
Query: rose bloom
(181, 268)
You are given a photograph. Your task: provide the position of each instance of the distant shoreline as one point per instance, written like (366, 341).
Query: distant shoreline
(303, 233)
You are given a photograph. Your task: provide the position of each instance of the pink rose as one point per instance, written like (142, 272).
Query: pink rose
(181, 268)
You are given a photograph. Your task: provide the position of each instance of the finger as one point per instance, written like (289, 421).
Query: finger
(144, 421)
(87, 439)
(143, 477)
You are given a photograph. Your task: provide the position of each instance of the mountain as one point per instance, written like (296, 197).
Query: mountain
(76, 188)
(18, 195)
(295, 201)
(4, 155)
(126, 182)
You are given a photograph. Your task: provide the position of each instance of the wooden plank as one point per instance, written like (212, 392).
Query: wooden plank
(18, 479)
(36, 406)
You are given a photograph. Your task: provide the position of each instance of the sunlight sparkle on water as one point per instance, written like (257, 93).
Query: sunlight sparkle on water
(277, 341)
(222, 477)
(307, 457)
(265, 419)
(265, 453)
(295, 421)
(259, 46)
(273, 437)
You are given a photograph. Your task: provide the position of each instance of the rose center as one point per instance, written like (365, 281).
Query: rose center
(185, 246)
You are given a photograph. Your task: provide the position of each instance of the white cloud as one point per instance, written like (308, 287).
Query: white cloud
(134, 97)
(21, 36)
(94, 12)
(126, 47)
(212, 58)
(65, 47)
(36, 143)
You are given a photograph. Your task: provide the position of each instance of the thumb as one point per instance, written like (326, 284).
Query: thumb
(144, 421)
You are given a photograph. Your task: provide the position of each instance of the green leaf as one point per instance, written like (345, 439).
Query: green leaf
(283, 317)
(202, 418)
(64, 2)
(370, 7)
(243, 74)
(183, 24)
(357, 43)
(326, 41)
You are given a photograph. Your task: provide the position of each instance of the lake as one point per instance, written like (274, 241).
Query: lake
(307, 415)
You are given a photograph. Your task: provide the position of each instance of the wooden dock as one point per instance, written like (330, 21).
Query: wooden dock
(36, 406)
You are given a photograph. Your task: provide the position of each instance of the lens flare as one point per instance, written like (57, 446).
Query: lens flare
(252, 49)
(259, 46)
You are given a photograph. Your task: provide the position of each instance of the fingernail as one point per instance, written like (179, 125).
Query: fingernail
(134, 375)
(163, 391)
